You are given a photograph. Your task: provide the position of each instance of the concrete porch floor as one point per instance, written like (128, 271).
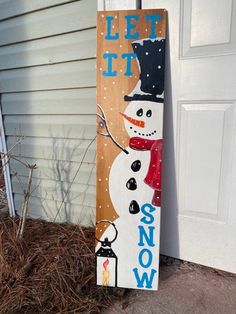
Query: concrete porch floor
(184, 288)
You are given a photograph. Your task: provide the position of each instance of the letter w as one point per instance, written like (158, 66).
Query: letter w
(144, 278)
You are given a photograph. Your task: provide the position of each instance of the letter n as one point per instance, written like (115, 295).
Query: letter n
(148, 237)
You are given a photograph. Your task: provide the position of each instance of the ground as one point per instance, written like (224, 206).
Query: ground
(185, 288)
(52, 270)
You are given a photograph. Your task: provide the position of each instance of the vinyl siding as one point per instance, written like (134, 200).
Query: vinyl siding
(47, 85)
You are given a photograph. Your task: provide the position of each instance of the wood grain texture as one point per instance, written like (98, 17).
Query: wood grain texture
(110, 95)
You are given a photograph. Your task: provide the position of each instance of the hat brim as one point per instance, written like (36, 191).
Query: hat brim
(143, 98)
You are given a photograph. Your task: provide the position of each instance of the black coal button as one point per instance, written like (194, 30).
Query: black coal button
(136, 165)
(134, 207)
(131, 184)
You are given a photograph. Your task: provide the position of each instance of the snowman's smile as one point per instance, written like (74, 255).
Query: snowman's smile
(143, 134)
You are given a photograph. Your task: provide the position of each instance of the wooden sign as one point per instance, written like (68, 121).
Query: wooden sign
(130, 99)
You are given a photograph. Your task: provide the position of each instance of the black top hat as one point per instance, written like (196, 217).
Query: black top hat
(151, 60)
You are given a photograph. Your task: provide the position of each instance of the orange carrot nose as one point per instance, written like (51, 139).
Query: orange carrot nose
(138, 123)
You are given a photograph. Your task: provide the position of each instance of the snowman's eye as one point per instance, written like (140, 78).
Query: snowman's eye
(139, 112)
(149, 113)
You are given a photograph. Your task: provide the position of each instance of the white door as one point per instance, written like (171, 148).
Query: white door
(199, 188)
(199, 202)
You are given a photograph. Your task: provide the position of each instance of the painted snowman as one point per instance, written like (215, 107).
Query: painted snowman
(135, 177)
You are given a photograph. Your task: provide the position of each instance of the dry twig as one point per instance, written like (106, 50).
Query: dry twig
(6, 157)
(25, 206)
(103, 123)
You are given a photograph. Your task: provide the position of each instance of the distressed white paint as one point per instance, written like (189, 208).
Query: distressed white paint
(199, 172)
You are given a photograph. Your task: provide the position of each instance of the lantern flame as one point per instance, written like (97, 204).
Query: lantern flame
(105, 264)
(105, 273)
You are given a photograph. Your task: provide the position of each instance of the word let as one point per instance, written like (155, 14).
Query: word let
(131, 25)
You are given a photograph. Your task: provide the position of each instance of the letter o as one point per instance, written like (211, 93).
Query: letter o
(149, 258)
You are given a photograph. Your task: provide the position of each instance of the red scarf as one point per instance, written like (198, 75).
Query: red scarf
(153, 177)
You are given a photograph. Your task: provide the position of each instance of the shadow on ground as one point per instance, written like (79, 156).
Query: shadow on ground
(184, 288)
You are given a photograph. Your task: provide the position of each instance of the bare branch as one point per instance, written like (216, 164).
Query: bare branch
(70, 185)
(25, 206)
(104, 123)
(6, 157)
(103, 134)
(11, 148)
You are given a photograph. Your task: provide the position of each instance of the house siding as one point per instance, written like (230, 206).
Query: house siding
(47, 85)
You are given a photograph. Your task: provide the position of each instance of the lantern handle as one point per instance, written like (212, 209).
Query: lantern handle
(111, 223)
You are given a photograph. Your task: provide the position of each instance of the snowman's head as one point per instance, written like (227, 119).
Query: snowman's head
(144, 119)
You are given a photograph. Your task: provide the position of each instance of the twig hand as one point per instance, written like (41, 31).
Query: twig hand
(103, 123)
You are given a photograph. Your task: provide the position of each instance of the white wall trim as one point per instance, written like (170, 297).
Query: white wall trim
(106, 5)
(6, 169)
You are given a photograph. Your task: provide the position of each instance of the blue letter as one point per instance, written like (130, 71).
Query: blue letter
(144, 278)
(147, 214)
(140, 258)
(143, 234)
(153, 18)
(108, 36)
(131, 26)
(109, 71)
(129, 57)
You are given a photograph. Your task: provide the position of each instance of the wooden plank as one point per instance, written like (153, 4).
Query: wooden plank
(130, 97)
(58, 170)
(46, 209)
(57, 190)
(10, 8)
(49, 50)
(53, 148)
(57, 76)
(78, 101)
(74, 126)
(73, 16)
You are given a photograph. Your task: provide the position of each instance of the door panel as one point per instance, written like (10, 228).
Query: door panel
(208, 28)
(199, 172)
(205, 134)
